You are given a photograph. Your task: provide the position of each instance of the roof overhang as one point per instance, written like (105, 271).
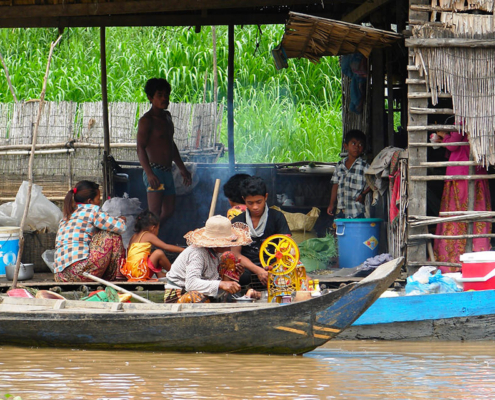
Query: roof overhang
(313, 37)
(84, 13)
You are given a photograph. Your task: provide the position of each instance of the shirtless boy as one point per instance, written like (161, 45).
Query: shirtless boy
(156, 150)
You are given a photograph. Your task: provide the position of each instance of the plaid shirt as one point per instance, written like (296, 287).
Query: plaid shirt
(351, 183)
(74, 234)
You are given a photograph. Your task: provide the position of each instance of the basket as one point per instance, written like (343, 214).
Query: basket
(35, 244)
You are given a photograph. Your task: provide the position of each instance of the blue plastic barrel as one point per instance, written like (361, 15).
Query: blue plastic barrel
(358, 240)
(9, 246)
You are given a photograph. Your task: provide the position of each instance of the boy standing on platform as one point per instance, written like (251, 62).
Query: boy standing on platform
(156, 150)
(349, 184)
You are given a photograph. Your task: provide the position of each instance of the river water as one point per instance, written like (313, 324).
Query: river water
(338, 370)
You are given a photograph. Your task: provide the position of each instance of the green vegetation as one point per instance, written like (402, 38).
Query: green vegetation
(280, 116)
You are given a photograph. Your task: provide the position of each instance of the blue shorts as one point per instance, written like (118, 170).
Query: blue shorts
(167, 186)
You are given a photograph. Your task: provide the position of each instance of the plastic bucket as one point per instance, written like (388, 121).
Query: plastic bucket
(358, 240)
(9, 246)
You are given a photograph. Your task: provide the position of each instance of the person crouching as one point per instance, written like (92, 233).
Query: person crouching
(194, 277)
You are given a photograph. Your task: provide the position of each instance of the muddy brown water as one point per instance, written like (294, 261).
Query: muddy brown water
(338, 370)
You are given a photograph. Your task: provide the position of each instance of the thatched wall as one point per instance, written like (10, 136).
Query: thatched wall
(70, 139)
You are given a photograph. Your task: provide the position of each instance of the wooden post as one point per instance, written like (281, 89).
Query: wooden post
(390, 98)
(416, 189)
(230, 101)
(107, 189)
(471, 194)
(377, 102)
(30, 165)
(215, 79)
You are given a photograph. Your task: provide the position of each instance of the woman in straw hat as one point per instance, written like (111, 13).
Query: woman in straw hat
(194, 277)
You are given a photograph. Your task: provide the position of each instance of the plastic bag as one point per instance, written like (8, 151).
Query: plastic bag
(317, 253)
(437, 283)
(43, 214)
(180, 189)
(48, 257)
(299, 221)
(5, 215)
(126, 207)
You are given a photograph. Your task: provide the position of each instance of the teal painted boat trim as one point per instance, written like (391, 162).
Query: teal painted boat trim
(388, 310)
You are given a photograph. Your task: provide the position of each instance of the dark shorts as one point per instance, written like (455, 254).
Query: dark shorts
(167, 186)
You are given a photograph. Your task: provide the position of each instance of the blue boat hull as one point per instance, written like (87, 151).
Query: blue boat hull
(462, 316)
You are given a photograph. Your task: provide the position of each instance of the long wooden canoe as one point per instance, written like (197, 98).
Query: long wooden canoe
(462, 316)
(293, 328)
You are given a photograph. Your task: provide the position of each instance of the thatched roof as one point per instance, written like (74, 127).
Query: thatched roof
(313, 37)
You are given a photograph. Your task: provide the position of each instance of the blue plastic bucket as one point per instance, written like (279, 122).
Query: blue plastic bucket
(358, 240)
(9, 246)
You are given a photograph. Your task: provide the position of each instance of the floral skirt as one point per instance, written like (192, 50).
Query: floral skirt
(106, 255)
(455, 198)
(181, 296)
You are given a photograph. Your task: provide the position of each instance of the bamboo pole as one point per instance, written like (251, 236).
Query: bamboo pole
(28, 152)
(447, 213)
(441, 220)
(434, 264)
(30, 164)
(455, 237)
(214, 198)
(8, 78)
(438, 144)
(118, 288)
(451, 177)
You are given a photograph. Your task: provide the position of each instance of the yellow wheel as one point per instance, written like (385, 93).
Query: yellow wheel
(279, 254)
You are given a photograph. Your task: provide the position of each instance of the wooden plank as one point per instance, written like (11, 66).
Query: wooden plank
(134, 7)
(416, 81)
(365, 9)
(157, 19)
(443, 111)
(427, 95)
(450, 42)
(418, 128)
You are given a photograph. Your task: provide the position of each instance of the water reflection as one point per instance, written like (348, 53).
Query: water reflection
(344, 370)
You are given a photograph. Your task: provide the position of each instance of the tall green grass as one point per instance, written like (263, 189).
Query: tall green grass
(287, 115)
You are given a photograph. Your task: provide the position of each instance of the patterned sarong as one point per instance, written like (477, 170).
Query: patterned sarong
(179, 296)
(106, 255)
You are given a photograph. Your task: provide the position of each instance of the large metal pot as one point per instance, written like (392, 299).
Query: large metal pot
(26, 272)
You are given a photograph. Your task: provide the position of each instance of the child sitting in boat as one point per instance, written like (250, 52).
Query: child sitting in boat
(141, 262)
(232, 190)
(263, 222)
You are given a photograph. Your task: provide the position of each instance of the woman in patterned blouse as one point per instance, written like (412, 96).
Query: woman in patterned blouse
(88, 240)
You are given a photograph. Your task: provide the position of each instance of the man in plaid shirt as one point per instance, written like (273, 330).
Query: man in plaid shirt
(348, 189)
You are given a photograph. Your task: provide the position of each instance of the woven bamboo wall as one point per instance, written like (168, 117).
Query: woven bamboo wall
(196, 130)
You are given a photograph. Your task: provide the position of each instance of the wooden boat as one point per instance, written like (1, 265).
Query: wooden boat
(293, 328)
(458, 316)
